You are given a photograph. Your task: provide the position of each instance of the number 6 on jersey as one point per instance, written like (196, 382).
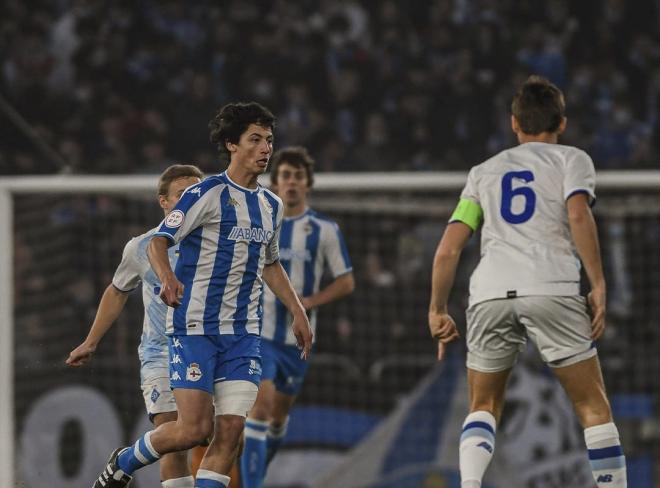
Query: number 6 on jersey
(508, 193)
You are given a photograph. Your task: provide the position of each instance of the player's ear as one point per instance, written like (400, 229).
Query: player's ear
(515, 126)
(162, 201)
(231, 147)
(562, 125)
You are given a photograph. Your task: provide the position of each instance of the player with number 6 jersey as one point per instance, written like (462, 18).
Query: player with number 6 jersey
(533, 204)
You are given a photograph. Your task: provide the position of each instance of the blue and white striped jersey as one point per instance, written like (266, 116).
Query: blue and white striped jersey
(308, 243)
(227, 234)
(133, 270)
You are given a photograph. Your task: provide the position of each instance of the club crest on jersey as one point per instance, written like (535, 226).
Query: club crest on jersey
(174, 219)
(193, 373)
(253, 234)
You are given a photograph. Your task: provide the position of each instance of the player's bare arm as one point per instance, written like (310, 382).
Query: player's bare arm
(278, 281)
(445, 262)
(343, 285)
(111, 304)
(171, 288)
(585, 236)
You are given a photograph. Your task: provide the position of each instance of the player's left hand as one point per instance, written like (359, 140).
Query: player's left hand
(307, 303)
(303, 333)
(443, 328)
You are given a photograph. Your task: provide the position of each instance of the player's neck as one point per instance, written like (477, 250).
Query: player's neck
(242, 177)
(547, 137)
(295, 210)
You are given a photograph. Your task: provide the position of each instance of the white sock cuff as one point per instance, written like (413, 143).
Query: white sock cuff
(600, 433)
(278, 432)
(147, 442)
(256, 429)
(185, 482)
(481, 416)
(212, 475)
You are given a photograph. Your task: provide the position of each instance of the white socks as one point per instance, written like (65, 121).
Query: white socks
(608, 464)
(477, 447)
(185, 482)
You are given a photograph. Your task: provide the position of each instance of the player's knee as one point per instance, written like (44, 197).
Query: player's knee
(231, 428)
(197, 433)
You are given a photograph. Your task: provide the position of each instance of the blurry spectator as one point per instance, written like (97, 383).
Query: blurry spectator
(101, 73)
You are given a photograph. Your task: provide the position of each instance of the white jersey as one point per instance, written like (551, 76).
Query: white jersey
(526, 243)
(133, 270)
(227, 234)
(308, 244)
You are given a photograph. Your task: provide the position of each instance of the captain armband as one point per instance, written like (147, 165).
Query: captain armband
(468, 212)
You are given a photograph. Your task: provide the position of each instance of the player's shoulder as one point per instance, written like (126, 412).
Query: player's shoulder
(138, 244)
(209, 183)
(320, 217)
(272, 197)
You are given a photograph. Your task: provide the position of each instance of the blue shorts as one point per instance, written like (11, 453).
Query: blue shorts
(283, 366)
(198, 361)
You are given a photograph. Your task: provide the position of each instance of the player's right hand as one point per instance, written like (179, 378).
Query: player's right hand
(443, 328)
(303, 333)
(80, 355)
(171, 291)
(596, 300)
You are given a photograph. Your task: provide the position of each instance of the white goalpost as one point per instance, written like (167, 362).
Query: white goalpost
(353, 198)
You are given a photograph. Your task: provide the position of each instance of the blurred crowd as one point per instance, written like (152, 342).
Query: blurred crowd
(129, 86)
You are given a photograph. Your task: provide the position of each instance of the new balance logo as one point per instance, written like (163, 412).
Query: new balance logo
(605, 478)
(486, 446)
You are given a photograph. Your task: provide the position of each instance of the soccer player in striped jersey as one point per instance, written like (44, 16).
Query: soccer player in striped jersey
(309, 243)
(134, 270)
(228, 228)
(533, 202)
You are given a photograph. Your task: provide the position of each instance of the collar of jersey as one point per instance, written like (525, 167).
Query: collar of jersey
(299, 216)
(239, 187)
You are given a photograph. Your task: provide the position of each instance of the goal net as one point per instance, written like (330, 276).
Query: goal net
(373, 382)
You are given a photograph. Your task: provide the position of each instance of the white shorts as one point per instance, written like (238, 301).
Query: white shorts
(158, 397)
(234, 397)
(497, 330)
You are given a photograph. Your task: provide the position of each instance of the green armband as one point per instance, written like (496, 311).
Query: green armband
(468, 212)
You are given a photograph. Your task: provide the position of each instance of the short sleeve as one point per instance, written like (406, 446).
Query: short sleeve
(470, 190)
(127, 274)
(336, 253)
(198, 206)
(580, 176)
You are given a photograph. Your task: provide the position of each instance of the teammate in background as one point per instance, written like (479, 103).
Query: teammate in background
(534, 202)
(228, 229)
(154, 370)
(308, 243)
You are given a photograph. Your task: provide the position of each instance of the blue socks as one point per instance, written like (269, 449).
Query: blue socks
(253, 459)
(210, 479)
(274, 440)
(138, 455)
